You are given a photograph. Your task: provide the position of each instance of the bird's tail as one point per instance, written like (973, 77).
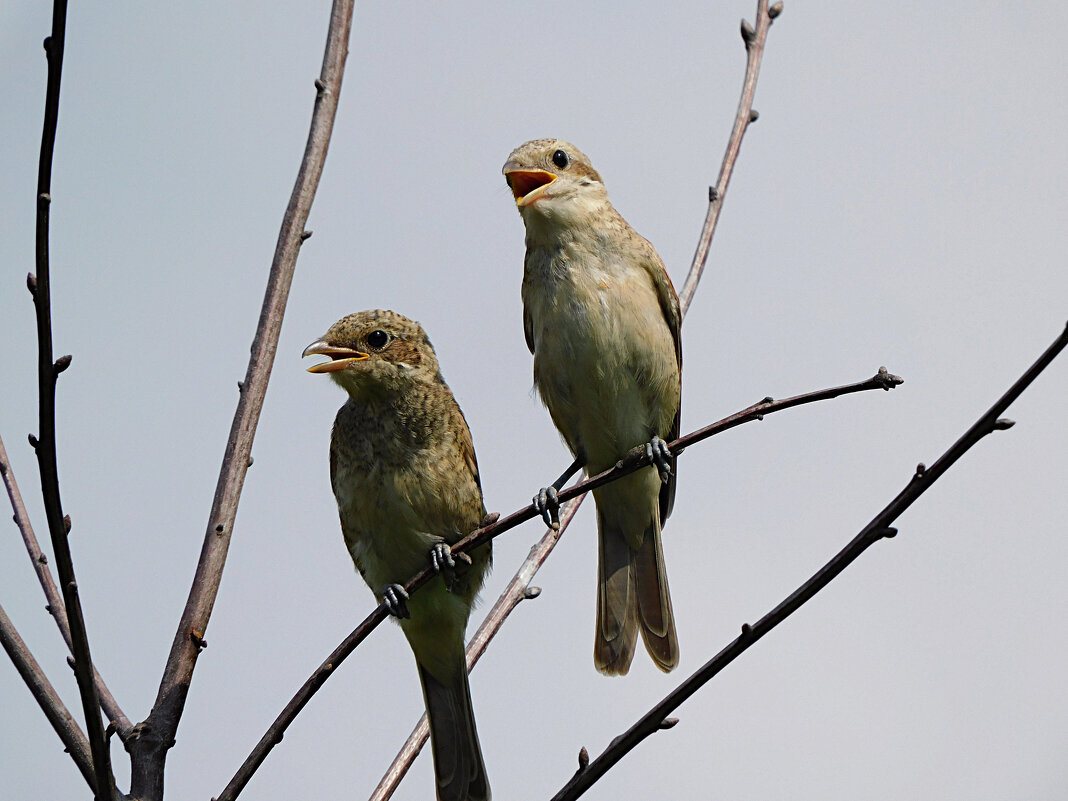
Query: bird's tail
(632, 596)
(458, 765)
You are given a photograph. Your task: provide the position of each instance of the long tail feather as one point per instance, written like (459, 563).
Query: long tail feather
(458, 765)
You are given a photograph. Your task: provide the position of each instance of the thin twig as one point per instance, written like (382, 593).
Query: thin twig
(55, 606)
(494, 526)
(74, 741)
(516, 591)
(754, 46)
(45, 442)
(877, 529)
(156, 734)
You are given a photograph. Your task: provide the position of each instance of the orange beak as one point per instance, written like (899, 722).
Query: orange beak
(340, 358)
(525, 184)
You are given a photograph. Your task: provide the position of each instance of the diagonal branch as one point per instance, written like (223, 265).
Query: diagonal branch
(516, 591)
(55, 605)
(61, 719)
(156, 735)
(45, 442)
(656, 719)
(494, 526)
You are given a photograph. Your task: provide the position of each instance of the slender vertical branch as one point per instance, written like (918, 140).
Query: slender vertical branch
(62, 721)
(156, 735)
(754, 46)
(45, 442)
(55, 603)
(879, 528)
(515, 591)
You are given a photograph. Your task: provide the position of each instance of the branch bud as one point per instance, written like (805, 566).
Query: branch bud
(62, 363)
(775, 10)
(1003, 424)
(668, 723)
(748, 34)
(584, 758)
(66, 524)
(31, 283)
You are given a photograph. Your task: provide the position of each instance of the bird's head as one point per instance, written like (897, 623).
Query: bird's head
(554, 181)
(375, 353)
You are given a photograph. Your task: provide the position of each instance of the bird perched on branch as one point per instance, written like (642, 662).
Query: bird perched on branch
(602, 320)
(403, 471)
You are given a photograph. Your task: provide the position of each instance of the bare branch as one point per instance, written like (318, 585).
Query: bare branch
(494, 526)
(55, 606)
(754, 47)
(879, 528)
(45, 443)
(74, 741)
(156, 735)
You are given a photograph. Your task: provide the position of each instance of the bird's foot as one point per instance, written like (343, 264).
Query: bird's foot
(395, 597)
(656, 450)
(443, 562)
(547, 504)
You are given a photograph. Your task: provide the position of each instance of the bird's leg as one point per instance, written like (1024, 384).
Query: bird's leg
(547, 504)
(657, 451)
(395, 597)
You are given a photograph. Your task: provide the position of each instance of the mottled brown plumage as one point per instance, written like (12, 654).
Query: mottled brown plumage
(403, 471)
(603, 322)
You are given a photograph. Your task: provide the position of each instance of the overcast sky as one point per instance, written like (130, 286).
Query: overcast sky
(900, 202)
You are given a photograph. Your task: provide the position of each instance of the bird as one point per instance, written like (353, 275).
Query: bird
(602, 320)
(403, 471)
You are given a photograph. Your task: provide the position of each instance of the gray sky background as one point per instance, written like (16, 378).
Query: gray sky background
(900, 202)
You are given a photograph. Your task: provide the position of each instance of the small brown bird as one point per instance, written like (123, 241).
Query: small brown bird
(602, 320)
(404, 474)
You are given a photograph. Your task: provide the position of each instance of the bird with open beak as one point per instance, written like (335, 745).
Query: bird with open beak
(403, 471)
(602, 320)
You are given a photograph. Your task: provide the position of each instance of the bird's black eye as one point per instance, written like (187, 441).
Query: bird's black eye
(377, 339)
(560, 159)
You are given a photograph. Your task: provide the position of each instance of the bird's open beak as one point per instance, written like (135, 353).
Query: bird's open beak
(340, 358)
(527, 185)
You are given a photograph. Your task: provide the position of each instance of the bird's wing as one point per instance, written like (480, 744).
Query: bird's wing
(669, 305)
(528, 329)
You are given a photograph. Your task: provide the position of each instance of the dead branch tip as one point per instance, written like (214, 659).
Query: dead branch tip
(887, 380)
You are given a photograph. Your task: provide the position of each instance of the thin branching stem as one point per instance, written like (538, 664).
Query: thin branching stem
(55, 605)
(754, 46)
(48, 372)
(156, 735)
(879, 528)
